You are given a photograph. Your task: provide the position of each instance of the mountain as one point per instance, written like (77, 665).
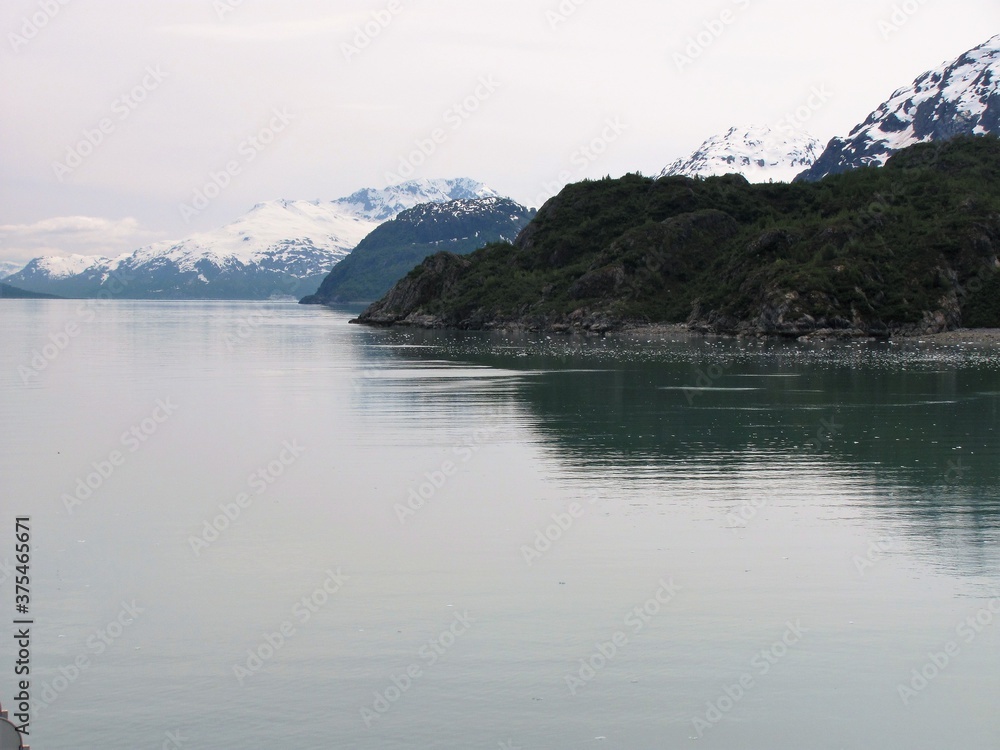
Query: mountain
(12, 292)
(279, 248)
(958, 98)
(761, 154)
(8, 267)
(385, 204)
(68, 276)
(910, 248)
(389, 252)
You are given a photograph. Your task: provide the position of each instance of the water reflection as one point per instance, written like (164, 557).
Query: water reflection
(903, 435)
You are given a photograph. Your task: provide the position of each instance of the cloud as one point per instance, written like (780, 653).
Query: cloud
(66, 235)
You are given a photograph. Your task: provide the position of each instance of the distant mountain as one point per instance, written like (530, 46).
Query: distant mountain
(958, 98)
(392, 250)
(8, 267)
(761, 154)
(382, 205)
(911, 248)
(12, 292)
(279, 248)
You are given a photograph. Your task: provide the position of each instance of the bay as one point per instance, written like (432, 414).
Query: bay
(258, 525)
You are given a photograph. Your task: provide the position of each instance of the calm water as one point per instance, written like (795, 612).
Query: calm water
(753, 542)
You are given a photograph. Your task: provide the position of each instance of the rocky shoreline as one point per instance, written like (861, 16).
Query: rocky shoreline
(601, 325)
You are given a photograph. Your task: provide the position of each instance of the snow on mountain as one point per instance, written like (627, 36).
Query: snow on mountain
(382, 205)
(270, 232)
(65, 275)
(958, 98)
(65, 266)
(761, 154)
(278, 248)
(399, 245)
(9, 267)
(468, 207)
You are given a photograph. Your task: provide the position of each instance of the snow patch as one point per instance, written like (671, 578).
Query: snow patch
(759, 153)
(297, 238)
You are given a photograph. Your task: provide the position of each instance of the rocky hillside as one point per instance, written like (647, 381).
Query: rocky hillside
(961, 97)
(389, 252)
(908, 248)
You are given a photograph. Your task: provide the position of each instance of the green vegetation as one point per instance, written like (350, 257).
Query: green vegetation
(911, 245)
(388, 253)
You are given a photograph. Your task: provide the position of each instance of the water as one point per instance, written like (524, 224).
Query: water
(753, 542)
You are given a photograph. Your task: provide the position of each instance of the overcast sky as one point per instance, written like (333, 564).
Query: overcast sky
(298, 99)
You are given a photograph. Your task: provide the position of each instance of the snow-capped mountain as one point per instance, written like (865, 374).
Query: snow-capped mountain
(398, 246)
(385, 204)
(761, 154)
(9, 267)
(65, 275)
(958, 98)
(279, 248)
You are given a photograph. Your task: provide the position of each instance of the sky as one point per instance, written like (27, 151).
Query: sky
(127, 122)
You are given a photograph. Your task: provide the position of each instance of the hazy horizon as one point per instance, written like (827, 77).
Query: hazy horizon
(117, 114)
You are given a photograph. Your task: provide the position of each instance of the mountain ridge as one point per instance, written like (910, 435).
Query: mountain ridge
(12, 292)
(759, 153)
(909, 248)
(960, 97)
(278, 248)
(396, 246)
